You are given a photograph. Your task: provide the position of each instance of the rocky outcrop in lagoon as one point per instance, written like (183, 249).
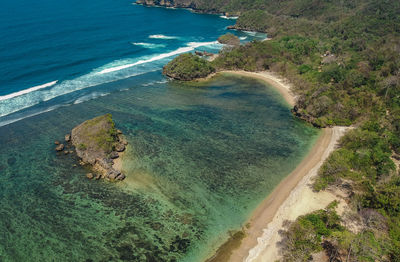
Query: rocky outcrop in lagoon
(98, 143)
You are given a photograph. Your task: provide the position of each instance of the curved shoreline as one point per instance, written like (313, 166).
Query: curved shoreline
(267, 218)
(280, 84)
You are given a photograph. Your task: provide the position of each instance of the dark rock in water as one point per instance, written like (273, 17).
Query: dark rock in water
(89, 175)
(11, 161)
(114, 155)
(229, 39)
(94, 138)
(120, 147)
(94, 141)
(67, 137)
(123, 141)
(60, 147)
(113, 174)
(121, 177)
(56, 142)
(199, 53)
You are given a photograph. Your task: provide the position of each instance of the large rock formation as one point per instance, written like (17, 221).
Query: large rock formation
(187, 67)
(229, 39)
(97, 142)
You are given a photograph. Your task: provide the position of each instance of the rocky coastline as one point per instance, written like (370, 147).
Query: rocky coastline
(188, 4)
(98, 144)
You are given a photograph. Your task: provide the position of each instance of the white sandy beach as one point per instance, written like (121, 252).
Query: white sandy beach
(292, 197)
(282, 85)
(302, 200)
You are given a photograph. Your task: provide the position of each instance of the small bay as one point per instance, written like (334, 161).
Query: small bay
(201, 157)
(200, 160)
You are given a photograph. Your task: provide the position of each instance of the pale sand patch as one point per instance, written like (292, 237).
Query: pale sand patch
(118, 162)
(134, 179)
(301, 200)
(396, 163)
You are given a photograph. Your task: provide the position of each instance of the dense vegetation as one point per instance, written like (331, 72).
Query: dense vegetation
(322, 230)
(187, 67)
(229, 39)
(97, 134)
(343, 58)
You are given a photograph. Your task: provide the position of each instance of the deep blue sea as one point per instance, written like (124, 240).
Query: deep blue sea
(201, 156)
(61, 52)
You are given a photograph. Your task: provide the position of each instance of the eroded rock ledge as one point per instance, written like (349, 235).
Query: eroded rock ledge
(194, 5)
(172, 3)
(98, 143)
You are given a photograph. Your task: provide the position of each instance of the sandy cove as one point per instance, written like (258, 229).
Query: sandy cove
(295, 197)
(291, 198)
(283, 86)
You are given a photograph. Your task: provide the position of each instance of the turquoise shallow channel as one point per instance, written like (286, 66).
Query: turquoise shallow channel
(200, 159)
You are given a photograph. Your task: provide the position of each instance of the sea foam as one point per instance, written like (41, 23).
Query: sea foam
(229, 17)
(190, 47)
(117, 70)
(26, 91)
(16, 119)
(149, 45)
(162, 37)
(32, 98)
(89, 97)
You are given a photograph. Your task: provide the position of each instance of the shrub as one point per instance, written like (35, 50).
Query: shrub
(187, 67)
(229, 39)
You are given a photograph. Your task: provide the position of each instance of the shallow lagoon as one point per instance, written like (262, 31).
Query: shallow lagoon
(200, 160)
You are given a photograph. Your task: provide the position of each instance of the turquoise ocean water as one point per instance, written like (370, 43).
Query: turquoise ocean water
(200, 158)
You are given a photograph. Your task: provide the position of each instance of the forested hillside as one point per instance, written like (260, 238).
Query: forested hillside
(343, 58)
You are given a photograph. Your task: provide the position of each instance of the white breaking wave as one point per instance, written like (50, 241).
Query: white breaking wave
(243, 38)
(191, 46)
(198, 44)
(251, 33)
(10, 121)
(26, 91)
(18, 101)
(155, 82)
(149, 45)
(89, 97)
(15, 104)
(229, 17)
(162, 37)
